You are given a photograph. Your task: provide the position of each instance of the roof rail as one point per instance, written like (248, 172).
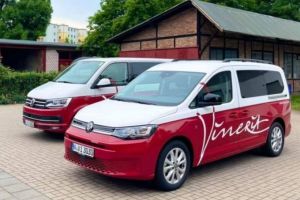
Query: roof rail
(176, 60)
(247, 60)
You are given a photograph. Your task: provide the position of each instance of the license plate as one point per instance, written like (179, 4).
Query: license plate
(29, 123)
(82, 150)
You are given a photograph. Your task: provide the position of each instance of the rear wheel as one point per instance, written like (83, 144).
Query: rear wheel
(173, 166)
(275, 142)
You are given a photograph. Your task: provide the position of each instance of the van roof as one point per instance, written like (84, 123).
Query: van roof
(126, 59)
(206, 66)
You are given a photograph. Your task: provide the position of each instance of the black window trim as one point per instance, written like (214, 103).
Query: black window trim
(231, 76)
(94, 85)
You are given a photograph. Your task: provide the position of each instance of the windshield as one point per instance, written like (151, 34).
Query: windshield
(166, 88)
(79, 73)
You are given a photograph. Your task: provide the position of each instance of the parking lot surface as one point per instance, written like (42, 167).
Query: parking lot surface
(34, 163)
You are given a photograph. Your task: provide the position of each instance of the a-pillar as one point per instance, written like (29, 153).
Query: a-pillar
(0, 57)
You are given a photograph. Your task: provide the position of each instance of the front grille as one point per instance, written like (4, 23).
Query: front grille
(51, 119)
(36, 103)
(97, 128)
(97, 165)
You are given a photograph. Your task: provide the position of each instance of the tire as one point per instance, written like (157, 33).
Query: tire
(275, 141)
(170, 175)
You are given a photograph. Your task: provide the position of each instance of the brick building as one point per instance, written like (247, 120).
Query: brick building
(23, 55)
(199, 30)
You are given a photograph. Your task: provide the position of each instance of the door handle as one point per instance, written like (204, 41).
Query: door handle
(233, 115)
(244, 113)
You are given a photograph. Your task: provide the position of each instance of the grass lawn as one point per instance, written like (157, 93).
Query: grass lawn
(296, 102)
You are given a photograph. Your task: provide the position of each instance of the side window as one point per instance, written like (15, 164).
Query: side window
(252, 83)
(137, 68)
(259, 83)
(274, 83)
(220, 84)
(116, 72)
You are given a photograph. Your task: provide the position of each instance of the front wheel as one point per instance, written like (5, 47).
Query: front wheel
(173, 166)
(275, 141)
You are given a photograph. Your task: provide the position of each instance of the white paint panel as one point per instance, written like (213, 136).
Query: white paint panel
(52, 60)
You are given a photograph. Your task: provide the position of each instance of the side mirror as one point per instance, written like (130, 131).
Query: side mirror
(104, 82)
(210, 99)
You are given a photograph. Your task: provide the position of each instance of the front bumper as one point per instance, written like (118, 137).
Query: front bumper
(127, 159)
(55, 120)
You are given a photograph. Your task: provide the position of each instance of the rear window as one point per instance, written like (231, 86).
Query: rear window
(254, 83)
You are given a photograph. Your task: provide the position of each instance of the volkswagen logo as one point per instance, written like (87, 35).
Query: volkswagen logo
(89, 127)
(32, 102)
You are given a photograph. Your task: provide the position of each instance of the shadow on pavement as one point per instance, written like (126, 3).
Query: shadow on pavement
(137, 187)
(46, 136)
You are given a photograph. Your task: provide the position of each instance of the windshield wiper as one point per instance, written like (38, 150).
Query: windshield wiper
(117, 99)
(141, 102)
(64, 82)
(132, 101)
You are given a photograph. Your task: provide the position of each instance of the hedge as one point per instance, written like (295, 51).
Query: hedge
(14, 86)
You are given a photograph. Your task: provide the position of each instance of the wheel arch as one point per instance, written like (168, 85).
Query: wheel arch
(281, 122)
(183, 139)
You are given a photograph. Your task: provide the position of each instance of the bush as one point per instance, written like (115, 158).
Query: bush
(14, 86)
(296, 102)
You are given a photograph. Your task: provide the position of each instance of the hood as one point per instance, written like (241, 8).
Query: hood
(113, 113)
(53, 90)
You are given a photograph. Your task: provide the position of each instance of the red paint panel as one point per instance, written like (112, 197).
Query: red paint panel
(212, 137)
(66, 114)
(179, 53)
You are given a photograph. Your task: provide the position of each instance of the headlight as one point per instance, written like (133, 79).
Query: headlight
(58, 103)
(137, 132)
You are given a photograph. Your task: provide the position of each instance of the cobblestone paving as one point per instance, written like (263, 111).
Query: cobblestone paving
(12, 188)
(35, 160)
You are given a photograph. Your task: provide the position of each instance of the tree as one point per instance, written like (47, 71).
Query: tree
(24, 19)
(4, 3)
(116, 16)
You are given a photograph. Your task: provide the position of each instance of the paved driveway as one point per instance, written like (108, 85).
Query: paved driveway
(32, 166)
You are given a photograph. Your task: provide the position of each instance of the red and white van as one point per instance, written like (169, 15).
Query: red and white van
(53, 105)
(180, 115)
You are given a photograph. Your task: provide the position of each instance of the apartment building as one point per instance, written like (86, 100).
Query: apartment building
(64, 34)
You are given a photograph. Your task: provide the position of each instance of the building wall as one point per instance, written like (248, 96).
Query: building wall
(212, 38)
(51, 33)
(63, 33)
(174, 37)
(52, 60)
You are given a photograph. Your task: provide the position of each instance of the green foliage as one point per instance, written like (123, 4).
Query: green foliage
(14, 86)
(296, 102)
(116, 16)
(24, 19)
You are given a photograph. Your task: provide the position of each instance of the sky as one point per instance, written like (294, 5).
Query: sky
(74, 13)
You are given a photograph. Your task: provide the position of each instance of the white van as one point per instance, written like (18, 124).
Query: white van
(52, 106)
(180, 115)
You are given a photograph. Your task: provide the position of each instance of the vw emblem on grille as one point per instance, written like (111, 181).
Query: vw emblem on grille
(32, 102)
(89, 127)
